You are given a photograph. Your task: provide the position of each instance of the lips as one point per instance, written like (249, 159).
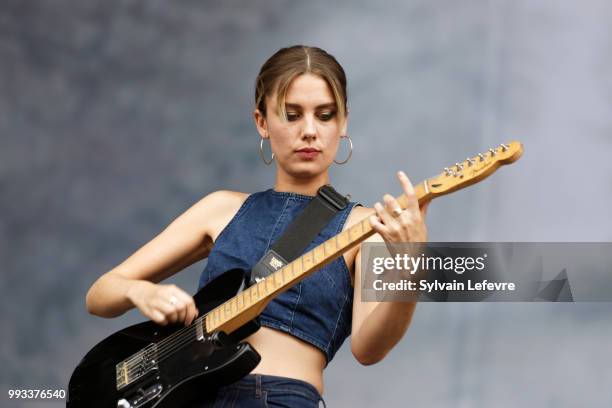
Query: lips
(308, 153)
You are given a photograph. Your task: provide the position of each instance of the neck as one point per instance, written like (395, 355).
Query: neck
(306, 186)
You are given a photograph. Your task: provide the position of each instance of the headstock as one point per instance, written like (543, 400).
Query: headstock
(472, 170)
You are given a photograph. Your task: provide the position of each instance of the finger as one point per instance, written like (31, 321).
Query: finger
(392, 206)
(168, 310)
(383, 214)
(181, 312)
(189, 307)
(193, 313)
(158, 317)
(377, 225)
(424, 209)
(412, 203)
(189, 316)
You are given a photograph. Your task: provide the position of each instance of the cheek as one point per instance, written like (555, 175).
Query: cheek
(282, 137)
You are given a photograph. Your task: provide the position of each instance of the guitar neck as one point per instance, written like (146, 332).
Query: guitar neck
(249, 303)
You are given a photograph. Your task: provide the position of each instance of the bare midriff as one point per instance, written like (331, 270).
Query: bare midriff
(287, 356)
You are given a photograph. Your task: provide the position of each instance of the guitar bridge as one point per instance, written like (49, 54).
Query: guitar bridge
(136, 366)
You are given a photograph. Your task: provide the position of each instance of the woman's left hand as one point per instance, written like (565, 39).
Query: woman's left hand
(405, 226)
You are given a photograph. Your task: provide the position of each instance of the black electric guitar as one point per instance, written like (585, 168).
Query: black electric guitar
(148, 365)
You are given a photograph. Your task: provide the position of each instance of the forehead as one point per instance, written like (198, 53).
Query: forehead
(309, 89)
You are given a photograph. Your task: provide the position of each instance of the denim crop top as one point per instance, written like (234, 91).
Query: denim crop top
(318, 309)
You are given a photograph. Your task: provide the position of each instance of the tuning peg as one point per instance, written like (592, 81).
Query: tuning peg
(470, 161)
(504, 147)
(492, 152)
(448, 171)
(482, 158)
(459, 166)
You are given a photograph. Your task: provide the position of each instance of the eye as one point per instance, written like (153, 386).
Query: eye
(327, 115)
(292, 116)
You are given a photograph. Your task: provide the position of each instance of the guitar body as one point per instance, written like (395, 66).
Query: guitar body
(173, 377)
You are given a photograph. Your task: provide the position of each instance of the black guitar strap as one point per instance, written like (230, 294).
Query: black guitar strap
(300, 233)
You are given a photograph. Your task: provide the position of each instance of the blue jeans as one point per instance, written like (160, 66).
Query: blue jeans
(261, 391)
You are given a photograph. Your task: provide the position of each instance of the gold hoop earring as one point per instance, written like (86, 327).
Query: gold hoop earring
(261, 153)
(350, 151)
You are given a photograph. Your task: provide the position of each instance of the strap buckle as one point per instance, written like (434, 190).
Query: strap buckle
(333, 197)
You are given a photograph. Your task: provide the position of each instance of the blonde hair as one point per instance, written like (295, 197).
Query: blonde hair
(289, 63)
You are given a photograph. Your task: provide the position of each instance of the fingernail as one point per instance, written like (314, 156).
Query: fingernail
(402, 174)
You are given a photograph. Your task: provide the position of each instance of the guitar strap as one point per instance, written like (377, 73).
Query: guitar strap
(300, 233)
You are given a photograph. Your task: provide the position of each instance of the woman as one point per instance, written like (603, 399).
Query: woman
(301, 111)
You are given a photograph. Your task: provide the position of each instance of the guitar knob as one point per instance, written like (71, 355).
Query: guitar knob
(123, 403)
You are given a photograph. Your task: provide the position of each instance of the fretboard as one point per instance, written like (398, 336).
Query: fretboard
(249, 303)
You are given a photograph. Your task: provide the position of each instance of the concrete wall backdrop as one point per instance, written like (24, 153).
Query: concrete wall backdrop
(116, 116)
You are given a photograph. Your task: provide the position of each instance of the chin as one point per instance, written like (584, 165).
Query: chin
(307, 170)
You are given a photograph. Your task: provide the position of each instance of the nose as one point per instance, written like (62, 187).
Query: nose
(310, 130)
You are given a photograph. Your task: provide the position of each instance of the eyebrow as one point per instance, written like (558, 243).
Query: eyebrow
(297, 106)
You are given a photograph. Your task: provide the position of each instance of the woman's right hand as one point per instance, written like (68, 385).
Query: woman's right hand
(163, 304)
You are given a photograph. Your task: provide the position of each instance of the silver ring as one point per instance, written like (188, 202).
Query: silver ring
(173, 300)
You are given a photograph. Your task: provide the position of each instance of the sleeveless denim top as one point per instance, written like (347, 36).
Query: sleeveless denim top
(318, 309)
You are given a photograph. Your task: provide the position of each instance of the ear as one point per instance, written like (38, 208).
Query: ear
(261, 123)
(345, 124)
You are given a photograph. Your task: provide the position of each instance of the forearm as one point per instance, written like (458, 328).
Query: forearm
(382, 329)
(110, 295)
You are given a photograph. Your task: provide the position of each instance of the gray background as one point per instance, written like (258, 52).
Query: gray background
(116, 116)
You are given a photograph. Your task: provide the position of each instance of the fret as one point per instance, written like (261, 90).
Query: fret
(365, 224)
(330, 246)
(355, 231)
(298, 267)
(343, 239)
(279, 278)
(240, 301)
(210, 324)
(286, 271)
(207, 323)
(307, 260)
(319, 254)
(233, 305)
(256, 293)
(269, 284)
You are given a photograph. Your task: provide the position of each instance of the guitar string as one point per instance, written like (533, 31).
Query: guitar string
(175, 340)
(178, 339)
(182, 337)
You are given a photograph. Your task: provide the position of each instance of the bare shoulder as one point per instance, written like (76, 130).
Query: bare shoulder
(218, 208)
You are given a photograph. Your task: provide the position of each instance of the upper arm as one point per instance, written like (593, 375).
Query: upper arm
(361, 310)
(183, 242)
